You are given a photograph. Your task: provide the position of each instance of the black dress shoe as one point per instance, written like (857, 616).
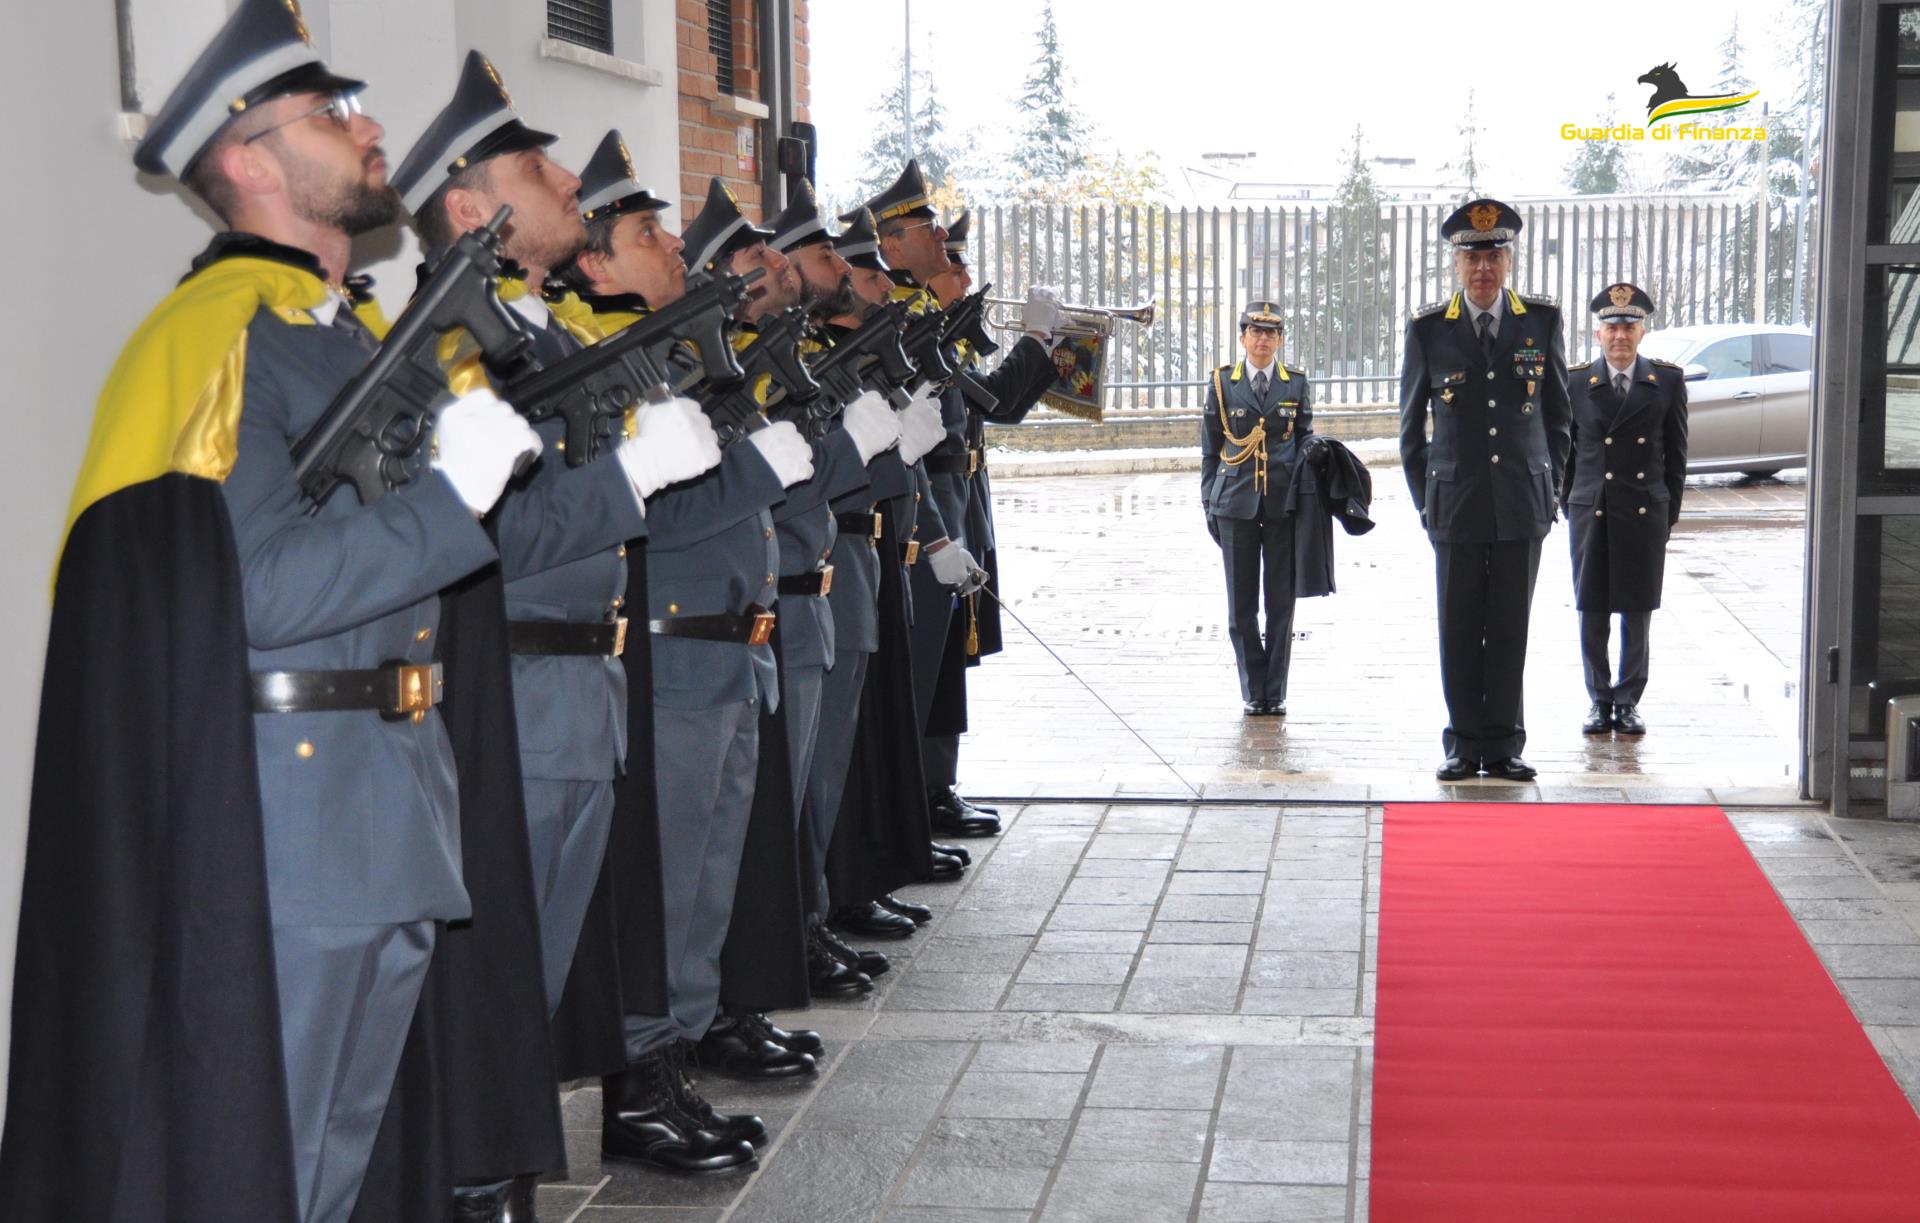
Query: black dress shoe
(952, 851)
(1511, 769)
(872, 963)
(946, 868)
(640, 1124)
(479, 1205)
(800, 1040)
(1599, 719)
(1457, 768)
(919, 914)
(956, 817)
(827, 977)
(733, 1048)
(871, 921)
(1254, 709)
(518, 1208)
(1627, 720)
(736, 1127)
(1277, 709)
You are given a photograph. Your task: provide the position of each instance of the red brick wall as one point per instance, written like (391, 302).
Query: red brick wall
(709, 133)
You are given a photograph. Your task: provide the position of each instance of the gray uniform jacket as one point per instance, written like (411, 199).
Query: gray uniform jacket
(1501, 425)
(805, 530)
(855, 597)
(1233, 490)
(361, 814)
(563, 532)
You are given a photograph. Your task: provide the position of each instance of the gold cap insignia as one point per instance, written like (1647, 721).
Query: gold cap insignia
(1484, 216)
(731, 197)
(1621, 295)
(626, 158)
(299, 26)
(493, 74)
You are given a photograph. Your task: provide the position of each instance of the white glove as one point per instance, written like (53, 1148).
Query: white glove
(955, 567)
(781, 445)
(671, 442)
(875, 426)
(477, 441)
(921, 429)
(1042, 313)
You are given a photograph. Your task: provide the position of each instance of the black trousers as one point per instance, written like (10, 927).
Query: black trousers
(1594, 629)
(1259, 560)
(1486, 599)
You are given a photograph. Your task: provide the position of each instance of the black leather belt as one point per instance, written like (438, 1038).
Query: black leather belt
(395, 691)
(606, 638)
(856, 523)
(965, 464)
(752, 628)
(819, 582)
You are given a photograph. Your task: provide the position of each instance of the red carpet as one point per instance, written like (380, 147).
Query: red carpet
(1605, 1013)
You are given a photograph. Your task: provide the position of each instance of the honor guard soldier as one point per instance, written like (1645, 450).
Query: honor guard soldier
(1488, 367)
(333, 852)
(914, 246)
(1259, 413)
(1623, 485)
(564, 530)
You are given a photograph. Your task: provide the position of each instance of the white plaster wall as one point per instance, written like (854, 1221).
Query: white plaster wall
(94, 245)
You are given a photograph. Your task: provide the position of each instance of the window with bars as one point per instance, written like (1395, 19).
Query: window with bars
(720, 41)
(586, 23)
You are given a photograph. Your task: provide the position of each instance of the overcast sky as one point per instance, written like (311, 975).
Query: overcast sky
(1291, 80)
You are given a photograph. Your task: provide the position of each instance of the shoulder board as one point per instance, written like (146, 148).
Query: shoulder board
(1224, 370)
(1582, 365)
(1293, 369)
(1431, 308)
(1663, 364)
(1540, 299)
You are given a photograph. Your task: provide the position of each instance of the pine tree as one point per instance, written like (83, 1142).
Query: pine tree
(1466, 165)
(1597, 167)
(1722, 165)
(1354, 272)
(1052, 144)
(887, 147)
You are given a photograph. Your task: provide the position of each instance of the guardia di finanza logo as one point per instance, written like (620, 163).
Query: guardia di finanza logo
(1673, 113)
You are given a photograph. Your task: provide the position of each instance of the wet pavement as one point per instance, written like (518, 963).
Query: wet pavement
(1139, 1012)
(1118, 575)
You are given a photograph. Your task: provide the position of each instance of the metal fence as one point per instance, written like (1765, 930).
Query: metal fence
(1347, 280)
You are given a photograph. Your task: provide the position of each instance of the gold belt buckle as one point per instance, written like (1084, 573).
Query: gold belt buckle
(619, 636)
(913, 552)
(826, 578)
(876, 524)
(762, 629)
(417, 686)
(973, 462)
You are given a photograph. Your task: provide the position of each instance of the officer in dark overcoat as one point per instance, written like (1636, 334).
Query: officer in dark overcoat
(1489, 367)
(1258, 412)
(1623, 486)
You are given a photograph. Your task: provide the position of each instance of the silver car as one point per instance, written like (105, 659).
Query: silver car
(1748, 389)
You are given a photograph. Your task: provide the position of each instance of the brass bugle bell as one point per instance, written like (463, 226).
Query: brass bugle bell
(1080, 320)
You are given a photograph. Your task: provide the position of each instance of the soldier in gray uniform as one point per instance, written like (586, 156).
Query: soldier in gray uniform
(1624, 481)
(1489, 367)
(357, 779)
(1259, 412)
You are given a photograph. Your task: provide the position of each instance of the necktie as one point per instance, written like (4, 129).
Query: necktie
(1486, 333)
(1260, 385)
(1620, 387)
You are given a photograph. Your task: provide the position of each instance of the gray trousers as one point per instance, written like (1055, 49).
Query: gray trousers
(1634, 629)
(567, 827)
(832, 756)
(802, 692)
(705, 762)
(347, 995)
(1258, 556)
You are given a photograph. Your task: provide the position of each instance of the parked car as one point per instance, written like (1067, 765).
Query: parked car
(1748, 390)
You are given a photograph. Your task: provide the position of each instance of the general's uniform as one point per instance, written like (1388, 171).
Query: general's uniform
(1485, 486)
(1624, 482)
(1250, 436)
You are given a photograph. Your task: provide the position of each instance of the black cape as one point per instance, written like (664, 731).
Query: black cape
(883, 837)
(146, 1076)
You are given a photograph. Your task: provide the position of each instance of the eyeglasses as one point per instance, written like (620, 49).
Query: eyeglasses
(906, 229)
(340, 106)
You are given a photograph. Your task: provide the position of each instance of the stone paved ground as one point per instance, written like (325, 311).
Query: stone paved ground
(1145, 1012)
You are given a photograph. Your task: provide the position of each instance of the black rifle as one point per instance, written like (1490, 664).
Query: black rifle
(379, 419)
(868, 358)
(594, 388)
(962, 322)
(930, 340)
(775, 353)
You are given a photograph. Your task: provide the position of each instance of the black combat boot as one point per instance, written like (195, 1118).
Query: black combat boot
(640, 1124)
(734, 1048)
(870, 962)
(739, 1127)
(827, 977)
